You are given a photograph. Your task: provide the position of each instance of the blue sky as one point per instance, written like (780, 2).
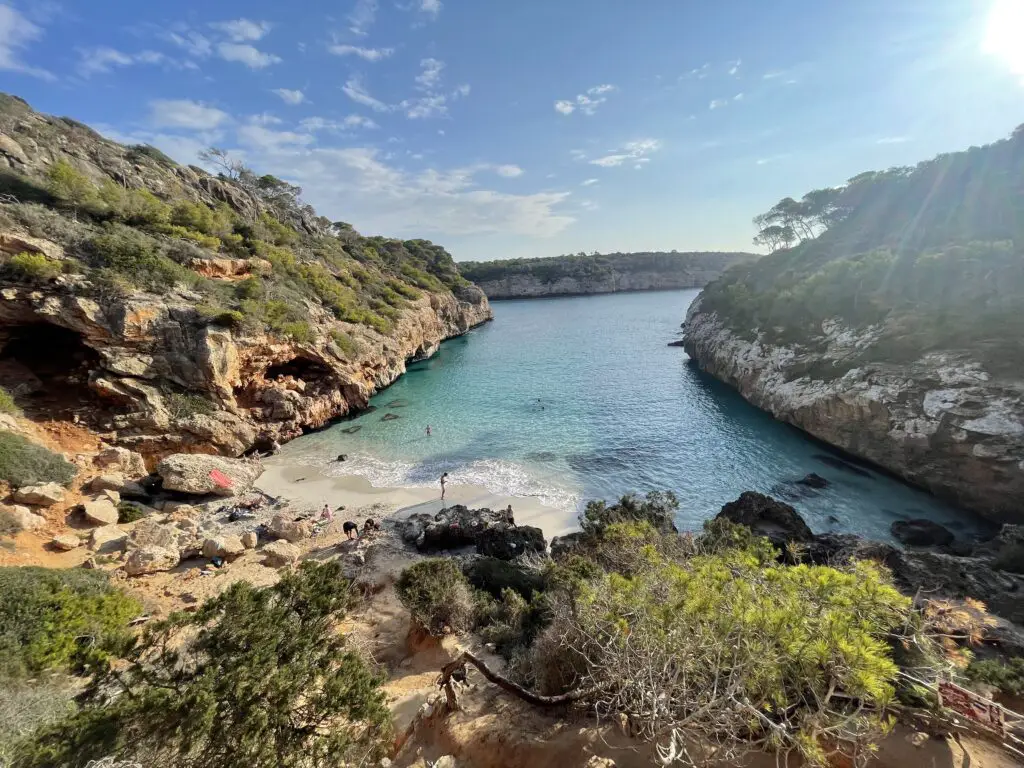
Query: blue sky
(537, 127)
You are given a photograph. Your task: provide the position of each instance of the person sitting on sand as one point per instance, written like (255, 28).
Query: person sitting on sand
(326, 514)
(370, 525)
(351, 530)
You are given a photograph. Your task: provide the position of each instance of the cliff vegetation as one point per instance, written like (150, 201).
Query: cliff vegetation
(598, 273)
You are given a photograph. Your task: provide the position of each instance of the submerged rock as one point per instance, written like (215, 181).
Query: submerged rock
(813, 481)
(921, 533)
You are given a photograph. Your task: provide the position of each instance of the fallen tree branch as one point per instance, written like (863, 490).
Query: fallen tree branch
(449, 669)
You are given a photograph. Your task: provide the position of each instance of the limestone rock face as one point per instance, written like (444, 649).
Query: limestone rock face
(45, 495)
(128, 463)
(941, 421)
(107, 540)
(278, 553)
(150, 560)
(200, 474)
(101, 512)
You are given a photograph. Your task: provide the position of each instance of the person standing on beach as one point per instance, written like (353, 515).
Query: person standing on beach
(444, 479)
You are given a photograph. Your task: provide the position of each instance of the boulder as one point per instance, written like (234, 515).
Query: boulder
(199, 474)
(223, 546)
(112, 496)
(570, 543)
(151, 560)
(134, 490)
(921, 533)
(45, 495)
(507, 542)
(451, 528)
(111, 481)
(65, 542)
(24, 518)
(767, 517)
(100, 512)
(151, 533)
(250, 539)
(107, 540)
(282, 527)
(278, 553)
(121, 460)
(493, 575)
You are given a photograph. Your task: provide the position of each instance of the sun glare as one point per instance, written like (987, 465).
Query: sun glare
(1004, 34)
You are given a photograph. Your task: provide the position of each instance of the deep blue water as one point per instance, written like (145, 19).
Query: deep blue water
(580, 398)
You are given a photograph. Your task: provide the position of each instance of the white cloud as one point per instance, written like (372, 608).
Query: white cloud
(734, 67)
(362, 17)
(431, 105)
(16, 33)
(242, 30)
(369, 54)
(313, 124)
(588, 182)
(718, 103)
(246, 54)
(738, 97)
(193, 43)
(461, 91)
(635, 151)
(587, 102)
(431, 74)
(771, 159)
(509, 171)
(354, 89)
(265, 118)
(184, 149)
(358, 121)
(97, 60)
(266, 140)
(772, 75)
(182, 113)
(431, 7)
(290, 97)
(699, 73)
(893, 140)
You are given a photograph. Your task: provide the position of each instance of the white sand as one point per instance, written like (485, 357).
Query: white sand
(307, 487)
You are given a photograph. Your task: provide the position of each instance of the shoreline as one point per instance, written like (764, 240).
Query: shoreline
(306, 486)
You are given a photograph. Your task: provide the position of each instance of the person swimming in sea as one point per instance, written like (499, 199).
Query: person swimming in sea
(428, 430)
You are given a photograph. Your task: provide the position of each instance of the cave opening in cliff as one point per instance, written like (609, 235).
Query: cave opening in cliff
(302, 368)
(47, 368)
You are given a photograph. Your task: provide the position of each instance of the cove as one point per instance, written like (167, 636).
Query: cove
(572, 399)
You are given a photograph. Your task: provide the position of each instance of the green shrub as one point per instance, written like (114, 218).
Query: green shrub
(349, 347)
(276, 232)
(70, 186)
(138, 258)
(220, 316)
(299, 331)
(204, 241)
(143, 208)
(26, 463)
(51, 224)
(147, 150)
(32, 267)
(657, 508)
(269, 682)
(28, 705)
(184, 405)
(9, 524)
(129, 512)
(7, 404)
(1007, 676)
(59, 619)
(437, 595)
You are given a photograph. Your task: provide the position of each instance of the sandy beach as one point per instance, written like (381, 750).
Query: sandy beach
(306, 487)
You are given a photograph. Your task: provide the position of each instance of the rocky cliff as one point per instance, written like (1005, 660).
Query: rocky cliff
(172, 310)
(894, 332)
(597, 273)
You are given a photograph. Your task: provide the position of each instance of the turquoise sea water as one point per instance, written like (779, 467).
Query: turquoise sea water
(572, 399)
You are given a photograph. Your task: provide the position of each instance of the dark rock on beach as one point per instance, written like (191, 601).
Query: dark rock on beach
(508, 543)
(493, 576)
(493, 533)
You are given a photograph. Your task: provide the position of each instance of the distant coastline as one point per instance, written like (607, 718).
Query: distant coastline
(585, 275)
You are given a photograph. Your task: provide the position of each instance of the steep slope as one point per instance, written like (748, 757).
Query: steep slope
(171, 309)
(894, 330)
(598, 273)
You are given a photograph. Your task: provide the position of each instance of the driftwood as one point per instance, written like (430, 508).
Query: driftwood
(452, 668)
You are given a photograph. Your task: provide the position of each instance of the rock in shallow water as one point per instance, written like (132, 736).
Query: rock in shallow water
(776, 521)
(921, 533)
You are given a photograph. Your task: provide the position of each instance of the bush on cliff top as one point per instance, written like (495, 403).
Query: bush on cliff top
(26, 463)
(437, 595)
(256, 676)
